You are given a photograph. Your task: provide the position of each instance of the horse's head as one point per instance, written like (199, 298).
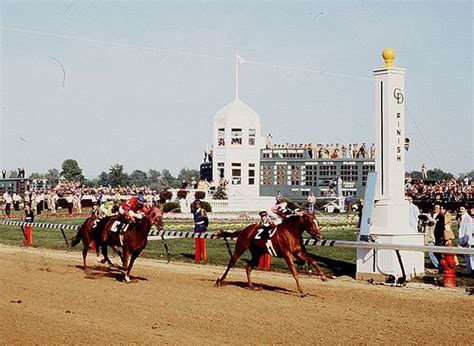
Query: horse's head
(310, 224)
(154, 215)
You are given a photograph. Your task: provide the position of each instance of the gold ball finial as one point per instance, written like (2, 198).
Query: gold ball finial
(388, 55)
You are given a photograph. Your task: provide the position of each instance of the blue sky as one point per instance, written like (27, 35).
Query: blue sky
(154, 109)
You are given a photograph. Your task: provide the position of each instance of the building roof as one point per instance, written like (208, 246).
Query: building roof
(237, 109)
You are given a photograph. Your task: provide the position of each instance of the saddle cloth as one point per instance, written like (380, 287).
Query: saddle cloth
(268, 243)
(116, 226)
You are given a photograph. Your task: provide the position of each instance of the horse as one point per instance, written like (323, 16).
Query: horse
(133, 241)
(287, 242)
(86, 234)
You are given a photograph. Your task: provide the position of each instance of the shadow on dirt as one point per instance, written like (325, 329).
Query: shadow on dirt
(99, 272)
(258, 287)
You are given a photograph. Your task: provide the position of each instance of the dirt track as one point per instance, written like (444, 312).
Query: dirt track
(45, 298)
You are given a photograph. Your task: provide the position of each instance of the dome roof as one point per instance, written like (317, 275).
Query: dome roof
(238, 109)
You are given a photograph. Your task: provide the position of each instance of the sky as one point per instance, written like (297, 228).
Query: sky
(143, 80)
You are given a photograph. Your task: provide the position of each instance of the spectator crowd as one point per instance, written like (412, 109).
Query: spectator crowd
(445, 191)
(331, 151)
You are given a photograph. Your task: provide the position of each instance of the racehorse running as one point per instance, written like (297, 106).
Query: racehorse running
(287, 242)
(133, 241)
(86, 234)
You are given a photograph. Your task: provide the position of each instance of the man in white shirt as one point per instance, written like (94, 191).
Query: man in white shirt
(8, 203)
(413, 217)
(465, 237)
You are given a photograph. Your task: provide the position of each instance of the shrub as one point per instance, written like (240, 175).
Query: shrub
(171, 207)
(182, 194)
(204, 205)
(220, 193)
(199, 195)
(165, 195)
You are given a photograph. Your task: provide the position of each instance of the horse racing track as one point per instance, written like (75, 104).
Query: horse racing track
(46, 298)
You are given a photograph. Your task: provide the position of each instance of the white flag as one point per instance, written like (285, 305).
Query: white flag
(240, 59)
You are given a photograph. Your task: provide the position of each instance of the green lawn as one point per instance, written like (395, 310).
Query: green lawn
(336, 260)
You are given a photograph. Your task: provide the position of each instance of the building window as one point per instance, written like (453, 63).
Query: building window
(236, 176)
(236, 136)
(251, 176)
(236, 173)
(267, 176)
(220, 169)
(252, 134)
(221, 137)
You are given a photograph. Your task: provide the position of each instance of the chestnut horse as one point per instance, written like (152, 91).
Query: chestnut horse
(287, 242)
(86, 234)
(133, 241)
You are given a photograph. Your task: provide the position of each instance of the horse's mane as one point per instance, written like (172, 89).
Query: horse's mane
(291, 219)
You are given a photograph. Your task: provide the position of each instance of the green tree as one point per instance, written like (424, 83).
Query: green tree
(153, 179)
(138, 178)
(71, 171)
(91, 182)
(167, 179)
(188, 174)
(438, 174)
(35, 175)
(117, 176)
(103, 179)
(53, 176)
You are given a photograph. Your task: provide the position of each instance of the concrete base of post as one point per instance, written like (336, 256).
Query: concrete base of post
(377, 264)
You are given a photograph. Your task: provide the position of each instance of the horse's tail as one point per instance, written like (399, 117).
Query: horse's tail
(80, 234)
(228, 234)
(77, 238)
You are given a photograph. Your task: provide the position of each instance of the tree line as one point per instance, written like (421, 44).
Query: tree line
(115, 176)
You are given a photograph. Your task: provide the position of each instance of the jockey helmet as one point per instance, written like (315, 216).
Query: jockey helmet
(140, 199)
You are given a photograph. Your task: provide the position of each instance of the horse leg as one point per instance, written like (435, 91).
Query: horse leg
(125, 256)
(240, 248)
(135, 254)
(85, 250)
(303, 255)
(106, 256)
(249, 267)
(291, 265)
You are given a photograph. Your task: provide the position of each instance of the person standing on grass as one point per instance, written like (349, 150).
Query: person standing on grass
(29, 218)
(8, 203)
(311, 202)
(465, 237)
(201, 223)
(439, 228)
(414, 212)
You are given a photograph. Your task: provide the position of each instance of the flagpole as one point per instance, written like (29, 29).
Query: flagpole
(236, 75)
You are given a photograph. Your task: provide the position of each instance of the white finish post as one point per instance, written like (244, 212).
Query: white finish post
(391, 210)
(236, 75)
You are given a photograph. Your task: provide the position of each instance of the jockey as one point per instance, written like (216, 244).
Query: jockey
(130, 210)
(280, 211)
(267, 224)
(108, 208)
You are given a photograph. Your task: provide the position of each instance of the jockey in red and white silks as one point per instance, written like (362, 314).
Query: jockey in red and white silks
(131, 209)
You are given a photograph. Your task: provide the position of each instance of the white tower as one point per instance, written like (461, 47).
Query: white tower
(236, 149)
(391, 210)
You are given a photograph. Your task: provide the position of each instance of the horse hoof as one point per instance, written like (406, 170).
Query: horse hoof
(304, 295)
(324, 279)
(218, 283)
(127, 279)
